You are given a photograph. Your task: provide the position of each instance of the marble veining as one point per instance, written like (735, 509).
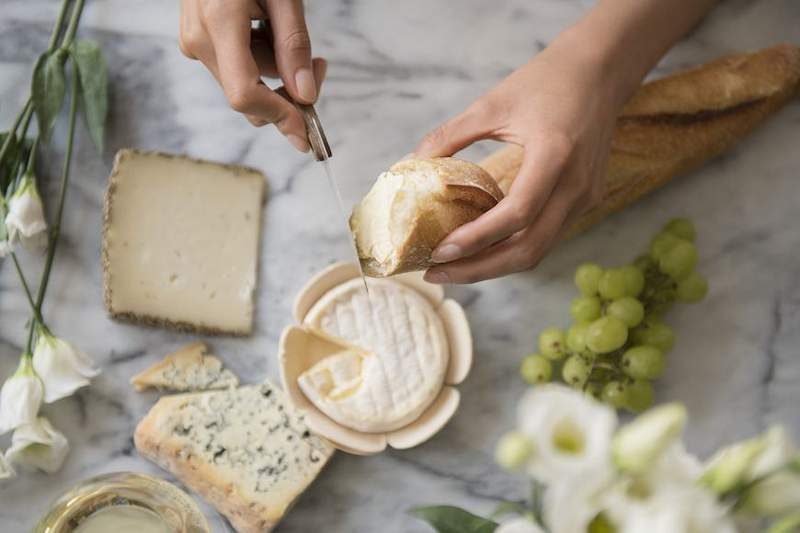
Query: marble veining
(396, 70)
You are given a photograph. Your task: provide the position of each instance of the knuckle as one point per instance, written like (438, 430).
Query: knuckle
(561, 147)
(297, 41)
(521, 214)
(435, 137)
(240, 98)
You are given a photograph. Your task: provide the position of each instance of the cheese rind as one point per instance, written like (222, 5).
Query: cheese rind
(180, 242)
(190, 368)
(247, 450)
(398, 366)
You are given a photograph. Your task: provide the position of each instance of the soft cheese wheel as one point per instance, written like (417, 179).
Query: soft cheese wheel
(400, 364)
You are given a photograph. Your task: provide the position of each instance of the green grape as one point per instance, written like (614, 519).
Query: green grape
(536, 368)
(587, 276)
(643, 362)
(606, 334)
(576, 371)
(653, 332)
(634, 280)
(513, 450)
(693, 288)
(640, 396)
(585, 308)
(612, 284)
(679, 261)
(629, 310)
(643, 263)
(661, 244)
(594, 390)
(681, 228)
(576, 338)
(551, 343)
(615, 394)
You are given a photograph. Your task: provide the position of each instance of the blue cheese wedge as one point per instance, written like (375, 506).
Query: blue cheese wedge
(180, 242)
(190, 368)
(247, 451)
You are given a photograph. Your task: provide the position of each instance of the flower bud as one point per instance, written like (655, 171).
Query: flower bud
(637, 445)
(25, 218)
(62, 367)
(514, 450)
(20, 397)
(731, 467)
(38, 445)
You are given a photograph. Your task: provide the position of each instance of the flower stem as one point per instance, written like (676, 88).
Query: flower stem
(56, 229)
(73, 24)
(59, 22)
(25, 111)
(25, 286)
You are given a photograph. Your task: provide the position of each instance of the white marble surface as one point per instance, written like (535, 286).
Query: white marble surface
(397, 69)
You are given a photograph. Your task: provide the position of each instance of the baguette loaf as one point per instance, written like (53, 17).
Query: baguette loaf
(673, 125)
(415, 205)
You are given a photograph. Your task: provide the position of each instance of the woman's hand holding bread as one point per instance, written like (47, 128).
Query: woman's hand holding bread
(561, 108)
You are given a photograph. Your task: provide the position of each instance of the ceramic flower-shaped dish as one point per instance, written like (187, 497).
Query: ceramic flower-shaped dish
(300, 349)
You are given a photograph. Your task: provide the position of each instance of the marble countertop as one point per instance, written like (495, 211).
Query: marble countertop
(396, 70)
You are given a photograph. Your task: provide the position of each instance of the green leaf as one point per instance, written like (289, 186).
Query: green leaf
(3, 229)
(449, 519)
(48, 89)
(506, 508)
(93, 75)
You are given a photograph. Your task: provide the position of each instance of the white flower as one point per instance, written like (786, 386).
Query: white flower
(38, 445)
(571, 434)
(518, 525)
(6, 470)
(666, 499)
(62, 367)
(639, 444)
(570, 505)
(25, 219)
(20, 397)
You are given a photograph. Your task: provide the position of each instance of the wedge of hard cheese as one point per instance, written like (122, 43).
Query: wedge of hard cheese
(246, 451)
(190, 368)
(180, 242)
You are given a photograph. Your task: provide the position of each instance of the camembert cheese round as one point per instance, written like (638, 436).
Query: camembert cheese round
(397, 359)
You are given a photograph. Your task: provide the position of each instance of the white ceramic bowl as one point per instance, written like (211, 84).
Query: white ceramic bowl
(300, 349)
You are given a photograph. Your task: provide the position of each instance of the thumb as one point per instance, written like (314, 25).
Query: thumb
(457, 133)
(293, 49)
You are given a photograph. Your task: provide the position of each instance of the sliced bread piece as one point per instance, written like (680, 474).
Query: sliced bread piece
(190, 368)
(180, 242)
(247, 451)
(413, 206)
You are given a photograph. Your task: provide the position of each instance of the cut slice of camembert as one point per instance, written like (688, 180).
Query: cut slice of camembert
(395, 364)
(246, 450)
(180, 242)
(190, 368)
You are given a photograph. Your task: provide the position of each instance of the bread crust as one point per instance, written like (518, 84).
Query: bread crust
(674, 125)
(467, 191)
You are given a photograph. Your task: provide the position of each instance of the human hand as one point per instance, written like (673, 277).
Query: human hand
(218, 33)
(561, 108)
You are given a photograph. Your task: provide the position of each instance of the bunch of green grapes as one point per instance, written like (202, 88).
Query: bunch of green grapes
(617, 345)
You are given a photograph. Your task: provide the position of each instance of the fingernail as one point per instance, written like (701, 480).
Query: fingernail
(306, 86)
(446, 253)
(298, 142)
(436, 277)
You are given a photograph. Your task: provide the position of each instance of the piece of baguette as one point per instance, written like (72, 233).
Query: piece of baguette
(673, 125)
(413, 206)
(190, 368)
(246, 451)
